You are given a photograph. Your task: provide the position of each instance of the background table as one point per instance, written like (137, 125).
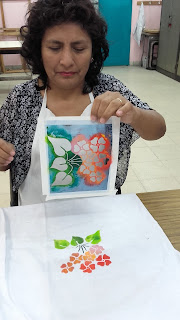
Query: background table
(150, 39)
(11, 47)
(164, 206)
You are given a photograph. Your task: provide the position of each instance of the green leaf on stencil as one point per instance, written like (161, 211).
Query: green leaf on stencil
(94, 238)
(74, 159)
(61, 244)
(76, 240)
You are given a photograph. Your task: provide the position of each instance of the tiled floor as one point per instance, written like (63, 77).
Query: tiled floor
(154, 165)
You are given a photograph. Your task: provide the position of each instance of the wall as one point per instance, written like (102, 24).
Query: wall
(14, 13)
(152, 21)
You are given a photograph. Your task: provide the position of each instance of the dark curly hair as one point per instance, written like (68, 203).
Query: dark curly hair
(44, 14)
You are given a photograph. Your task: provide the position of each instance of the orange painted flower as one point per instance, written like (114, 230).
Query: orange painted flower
(76, 258)
(87, 266)
(95, 155)
(67, 267)
(89, 256)
(103, 260)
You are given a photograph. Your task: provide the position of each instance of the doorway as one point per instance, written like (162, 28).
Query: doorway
(117, 14)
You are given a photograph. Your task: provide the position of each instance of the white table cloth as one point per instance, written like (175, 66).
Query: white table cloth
(140, 278)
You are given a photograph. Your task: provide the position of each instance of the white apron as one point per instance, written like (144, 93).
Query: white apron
(30, 191)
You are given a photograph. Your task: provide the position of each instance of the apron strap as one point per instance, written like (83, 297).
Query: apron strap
(91, 97)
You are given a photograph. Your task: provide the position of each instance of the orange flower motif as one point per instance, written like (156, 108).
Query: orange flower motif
(87, 266)
(76, 258)
(103, 260)
(89, 256)
(67, 267)
(95, 155)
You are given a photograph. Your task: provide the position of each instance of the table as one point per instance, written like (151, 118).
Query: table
(164, 206)
(152, 39)
(5, 32)
(11, 47)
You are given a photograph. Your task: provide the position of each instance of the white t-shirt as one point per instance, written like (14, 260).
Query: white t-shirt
(30, 191)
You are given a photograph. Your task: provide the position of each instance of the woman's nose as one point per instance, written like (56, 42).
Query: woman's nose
(66, 58)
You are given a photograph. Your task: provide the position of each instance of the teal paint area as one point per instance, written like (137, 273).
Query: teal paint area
(117, 14)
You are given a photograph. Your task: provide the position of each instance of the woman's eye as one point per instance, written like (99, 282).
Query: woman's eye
(79, 49)
(54, 49)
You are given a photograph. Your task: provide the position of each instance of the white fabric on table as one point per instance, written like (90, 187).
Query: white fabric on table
(142, 282)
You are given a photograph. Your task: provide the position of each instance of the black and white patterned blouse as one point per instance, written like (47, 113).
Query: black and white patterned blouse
(18, 120)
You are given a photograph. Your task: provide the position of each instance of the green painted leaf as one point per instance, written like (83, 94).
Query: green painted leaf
(74, 159)
(94, 238)
(76, 240)
(61, 244)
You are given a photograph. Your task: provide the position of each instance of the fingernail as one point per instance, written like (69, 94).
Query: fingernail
(119, 113)
(12, 153)
(93, 118)
(102, 120)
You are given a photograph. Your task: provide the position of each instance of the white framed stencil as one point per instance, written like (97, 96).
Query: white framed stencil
(78, 157)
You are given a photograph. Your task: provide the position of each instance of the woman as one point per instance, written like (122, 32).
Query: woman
(65, 43)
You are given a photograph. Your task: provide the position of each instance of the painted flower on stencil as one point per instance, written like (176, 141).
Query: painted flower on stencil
(65, 161)
(89, 259)
(95, 155)
(72, 159)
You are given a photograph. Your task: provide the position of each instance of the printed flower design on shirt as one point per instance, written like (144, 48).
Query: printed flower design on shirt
(96, 249)
(67, 267)
(90, 254)
(103, 260)
(76, 258)
(88, 266)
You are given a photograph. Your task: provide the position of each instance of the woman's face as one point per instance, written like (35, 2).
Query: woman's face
(66, 53)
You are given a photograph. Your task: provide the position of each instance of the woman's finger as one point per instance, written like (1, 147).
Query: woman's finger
(127, 113)
(7, 152)
(5, 158)
(110, 111)
(124, 109)
(96, 106)
(103, 103)
(7, 147)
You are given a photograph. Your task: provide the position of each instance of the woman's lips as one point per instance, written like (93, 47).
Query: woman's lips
(66, 74)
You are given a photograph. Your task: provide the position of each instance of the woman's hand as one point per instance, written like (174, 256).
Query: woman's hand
(149, 124)
(7, 152)
(112, 104)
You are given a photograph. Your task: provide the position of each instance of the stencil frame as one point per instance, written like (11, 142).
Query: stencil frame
(81, 125)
